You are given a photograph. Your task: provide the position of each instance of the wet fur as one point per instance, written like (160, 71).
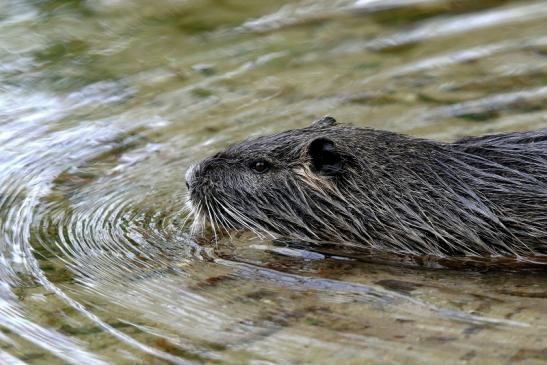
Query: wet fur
(484, 196)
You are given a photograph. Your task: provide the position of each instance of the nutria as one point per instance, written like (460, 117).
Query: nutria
(480, 196)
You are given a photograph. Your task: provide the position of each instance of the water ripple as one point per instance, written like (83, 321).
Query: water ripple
(104, 106)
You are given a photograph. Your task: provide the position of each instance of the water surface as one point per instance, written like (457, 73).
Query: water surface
(105, 104)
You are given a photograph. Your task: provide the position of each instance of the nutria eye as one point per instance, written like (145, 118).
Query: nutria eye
(260, 166)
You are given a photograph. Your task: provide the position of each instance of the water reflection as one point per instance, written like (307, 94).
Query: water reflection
(103, 106)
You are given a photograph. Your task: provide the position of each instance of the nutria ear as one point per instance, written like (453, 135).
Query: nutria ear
(325, 159)
(326, 121)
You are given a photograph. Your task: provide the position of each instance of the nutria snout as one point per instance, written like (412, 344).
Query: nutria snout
(480, 196)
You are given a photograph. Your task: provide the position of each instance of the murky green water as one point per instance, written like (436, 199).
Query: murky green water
(103, 106)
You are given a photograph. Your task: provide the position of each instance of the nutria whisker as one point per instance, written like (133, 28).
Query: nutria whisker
(224, 223)
(239, 219)
(199, 220)
(211, 220)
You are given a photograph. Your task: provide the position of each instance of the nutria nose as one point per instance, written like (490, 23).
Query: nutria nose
(189, 176)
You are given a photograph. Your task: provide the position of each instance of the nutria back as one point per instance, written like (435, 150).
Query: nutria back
(484, 196)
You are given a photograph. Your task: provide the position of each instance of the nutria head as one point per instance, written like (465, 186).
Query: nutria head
(263, 183)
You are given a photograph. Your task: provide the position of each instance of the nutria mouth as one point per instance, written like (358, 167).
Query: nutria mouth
(481, 196)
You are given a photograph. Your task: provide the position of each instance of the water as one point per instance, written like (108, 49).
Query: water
(104, 105)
